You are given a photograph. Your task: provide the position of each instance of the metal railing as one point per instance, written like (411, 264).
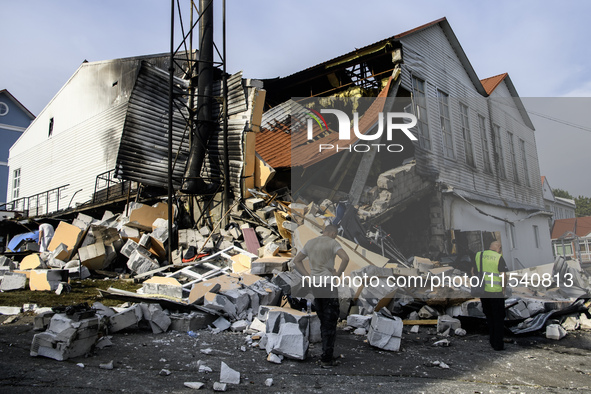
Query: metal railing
(38, 204)
(106, 187)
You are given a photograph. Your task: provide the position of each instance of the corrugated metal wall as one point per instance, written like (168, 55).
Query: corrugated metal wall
(143, 153)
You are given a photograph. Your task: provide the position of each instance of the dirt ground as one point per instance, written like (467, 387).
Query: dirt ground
(529, 364)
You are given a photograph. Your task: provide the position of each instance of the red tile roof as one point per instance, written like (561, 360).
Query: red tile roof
(580, 226)
(279, 148)
(490, 84)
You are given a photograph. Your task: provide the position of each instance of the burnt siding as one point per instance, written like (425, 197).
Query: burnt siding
(143, 152)
(429, 56)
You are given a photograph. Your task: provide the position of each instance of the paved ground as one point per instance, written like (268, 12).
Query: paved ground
(529, 364)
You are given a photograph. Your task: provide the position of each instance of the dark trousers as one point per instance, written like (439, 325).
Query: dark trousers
(494, 309)
(327, 310)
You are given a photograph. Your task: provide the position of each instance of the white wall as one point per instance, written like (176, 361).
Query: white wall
(460, 215)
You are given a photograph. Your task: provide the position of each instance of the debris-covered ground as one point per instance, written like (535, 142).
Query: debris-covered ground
(229, 312)
(157, 363)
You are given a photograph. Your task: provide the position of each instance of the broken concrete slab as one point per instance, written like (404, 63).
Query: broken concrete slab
(229, 375)
(156, 316)
(10, 310)
(66, 338)
(13, 281)
(220, 303)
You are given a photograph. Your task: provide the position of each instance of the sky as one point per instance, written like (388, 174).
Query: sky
(540, 43)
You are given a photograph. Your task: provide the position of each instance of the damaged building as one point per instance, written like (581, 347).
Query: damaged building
(471, 176)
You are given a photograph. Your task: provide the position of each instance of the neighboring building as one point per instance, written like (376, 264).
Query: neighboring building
(563, 208)
(473, 174)
(572, 238)
(14, 119)
(108, 123)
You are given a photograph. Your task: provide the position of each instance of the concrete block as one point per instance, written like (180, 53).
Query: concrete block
(82, 221)
(167, 286)
(267, 292)
(93, 256)
(571, 323)
(288, 342)
(184, 322)
(220, 303)
(42, 320)
(446, 322)
(31, 262)
(40, 280)
(10, 310)
(128, 318)
(585, 322)
(13, 281)
(229, 375)
(426, 312)
(358, 321)
(145, 241)
(140, 262)
(66, 338)
(217, 386)
(257, 326)
(6, 262)
(239, 326)
(129, 247)
(155, 315)
(254, 203)
(274, 358)
(240, 298)
(555, 331)
(385, 332)
(535, 306)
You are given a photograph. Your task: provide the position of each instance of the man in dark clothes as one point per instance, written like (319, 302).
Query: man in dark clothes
(321, 252)
(493, 304)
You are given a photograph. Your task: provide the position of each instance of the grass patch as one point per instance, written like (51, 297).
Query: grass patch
(82, 291)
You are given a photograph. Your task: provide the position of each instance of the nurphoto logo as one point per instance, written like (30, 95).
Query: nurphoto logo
(388, 122)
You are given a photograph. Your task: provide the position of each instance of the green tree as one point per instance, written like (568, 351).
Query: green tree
(583, 206)
(562, 193)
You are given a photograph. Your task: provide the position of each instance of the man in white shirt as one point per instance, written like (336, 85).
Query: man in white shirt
(321, 252)
(45, 235)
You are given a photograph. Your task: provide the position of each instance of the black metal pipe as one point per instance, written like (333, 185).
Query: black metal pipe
(193, 183)
(170, 100)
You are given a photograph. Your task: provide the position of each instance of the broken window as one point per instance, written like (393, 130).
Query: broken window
(499, 157)
(444, 117)
(513, 157)
(485, 147)
(466, 134)
(16, 183)
(420, 111)
(524, 162)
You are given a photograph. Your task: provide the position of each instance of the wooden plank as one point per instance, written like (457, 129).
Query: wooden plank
(426, 322)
